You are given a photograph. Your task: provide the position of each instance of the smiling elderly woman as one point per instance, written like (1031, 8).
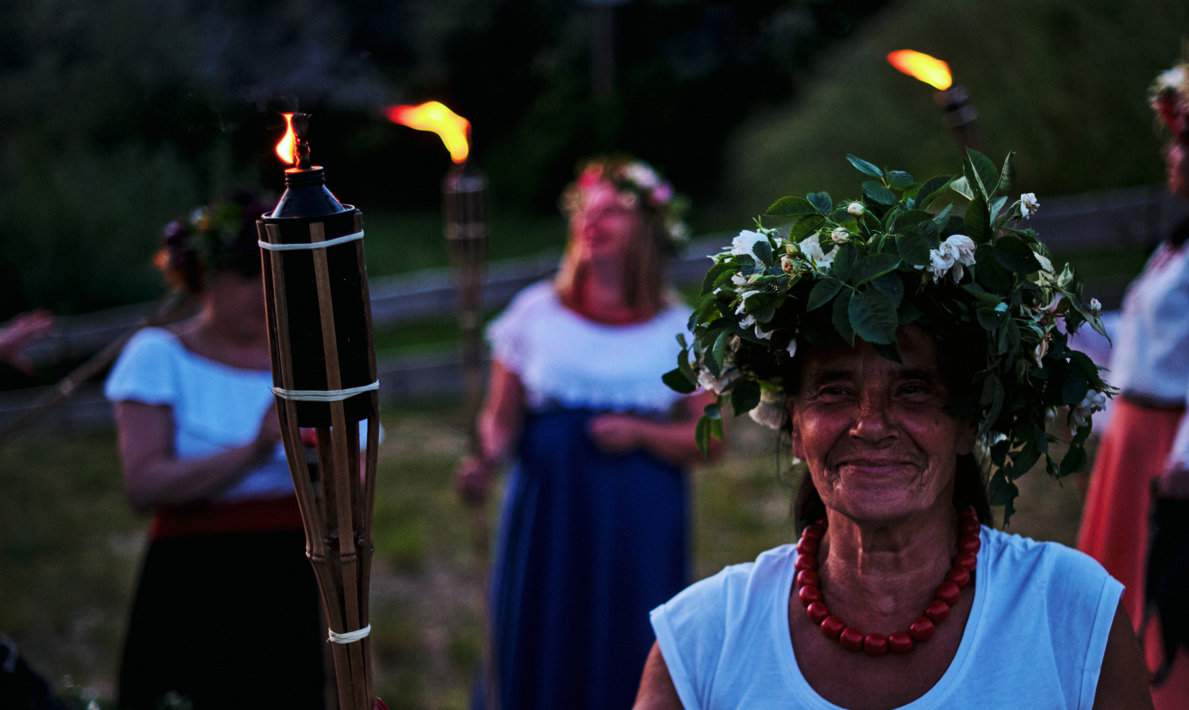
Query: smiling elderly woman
(905, 361)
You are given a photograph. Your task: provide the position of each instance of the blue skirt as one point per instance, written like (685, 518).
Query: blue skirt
(589, 543)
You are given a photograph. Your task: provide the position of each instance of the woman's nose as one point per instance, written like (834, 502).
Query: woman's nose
(872, 423)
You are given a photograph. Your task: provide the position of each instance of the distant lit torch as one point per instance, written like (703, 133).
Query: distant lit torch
(464, 213)
(324, 377)
(955, 103)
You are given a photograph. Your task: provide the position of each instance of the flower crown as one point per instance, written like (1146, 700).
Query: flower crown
(859, 269)
(638, 185)
(212, 238)
(1170, 99)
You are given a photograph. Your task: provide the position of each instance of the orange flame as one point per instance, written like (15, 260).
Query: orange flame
(287, 146)
(454, 130)
(922, 67)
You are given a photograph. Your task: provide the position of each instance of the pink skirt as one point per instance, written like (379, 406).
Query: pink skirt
(1114, 528)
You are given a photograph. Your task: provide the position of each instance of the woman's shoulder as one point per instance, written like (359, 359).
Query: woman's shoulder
(154, 339)
(1017, 560)
(145, 370)
(534, 297)
(735, 590)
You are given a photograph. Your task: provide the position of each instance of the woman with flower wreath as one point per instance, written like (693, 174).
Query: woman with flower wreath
(908, 352)
(1146, 443)
(594, 522)
(226, 612)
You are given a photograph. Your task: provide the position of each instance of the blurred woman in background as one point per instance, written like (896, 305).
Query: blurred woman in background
(594, 523)
(1147, 439)
(226, 611)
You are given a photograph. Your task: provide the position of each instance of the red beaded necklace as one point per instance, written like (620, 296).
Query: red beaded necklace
(810, 593)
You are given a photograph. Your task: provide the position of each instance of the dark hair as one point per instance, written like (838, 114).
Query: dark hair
(220, 237)
(956, 347)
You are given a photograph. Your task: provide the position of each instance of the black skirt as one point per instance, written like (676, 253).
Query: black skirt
(227, 620)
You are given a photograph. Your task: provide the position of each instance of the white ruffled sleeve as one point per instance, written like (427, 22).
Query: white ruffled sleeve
(146, 370)
(508, 334)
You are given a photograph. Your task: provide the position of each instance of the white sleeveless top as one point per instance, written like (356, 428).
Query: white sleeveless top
(215, 406)
(1035, 636)
(565, 359)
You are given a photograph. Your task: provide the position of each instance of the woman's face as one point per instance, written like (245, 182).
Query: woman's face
(237, 303)
(875, 434)
(604, 226)
(1176, 163)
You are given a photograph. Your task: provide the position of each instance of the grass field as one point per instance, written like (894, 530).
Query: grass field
(69, 548)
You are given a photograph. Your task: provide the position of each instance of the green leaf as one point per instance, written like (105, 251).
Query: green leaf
(1074, 389)
(1013, 254)
(931, 189)
(986, 175)
(877, 193)
(840, 316)
(863, 166)
(1075, 459)
(997, 207)
(873, 316)
(989, 273)
(844, 262)
(962, 187)
(1006, 174)
(790, 206)
(702, 435)
(806, 226)
(763, 250)
(992, 398)
(990, 319)
(900, 179)
(914, 248)
(718, 351)
(891, 285)
(823, 291)
(745, 395)
(720, 268)
(873, 266)
(677, 381)
(909, 313)
(1002, 491)
(977, 227)
(904, 221)
(942, 218)
(821, 202)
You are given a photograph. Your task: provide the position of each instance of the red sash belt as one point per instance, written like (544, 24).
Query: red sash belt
(255, 515)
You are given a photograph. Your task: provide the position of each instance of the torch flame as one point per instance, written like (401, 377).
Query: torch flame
(287, 146)
(454, 130)
(922, 67)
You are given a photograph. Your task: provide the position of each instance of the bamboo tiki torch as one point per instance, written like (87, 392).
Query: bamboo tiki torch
(951, 98)
(324, 377)
(464, 213)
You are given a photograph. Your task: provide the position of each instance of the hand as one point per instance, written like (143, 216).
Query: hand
(472, 479)
(269, 433)
(19, 334)
(616, 433)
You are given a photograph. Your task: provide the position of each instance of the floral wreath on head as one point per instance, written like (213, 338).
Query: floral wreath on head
(901, 254)
(1170, 99)
(213, 235)
(638, 185)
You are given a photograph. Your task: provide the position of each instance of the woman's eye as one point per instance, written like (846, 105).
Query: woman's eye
(833, 391)
(915, 389)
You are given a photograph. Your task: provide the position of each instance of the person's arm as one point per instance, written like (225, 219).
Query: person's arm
(154, 475)
(498, 426)
(657, 691)
(1123, 678)
(671, 441)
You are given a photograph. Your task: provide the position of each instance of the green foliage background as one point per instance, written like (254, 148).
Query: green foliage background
(1064, 84)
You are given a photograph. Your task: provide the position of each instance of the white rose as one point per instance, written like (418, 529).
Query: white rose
(717, 385)
(840, 236)
(1042, 349)
(747, 321)
(940, 263)
(744, 244)
(738, 279)
(770, 412)
(742, 307)
(764, 334)
(1094, 401)
(855, 209)
(792, 348)
(813, 252)
(641, 174)
(1028, 204)
(1171, 79)
(1095, 306)
(786, 264)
